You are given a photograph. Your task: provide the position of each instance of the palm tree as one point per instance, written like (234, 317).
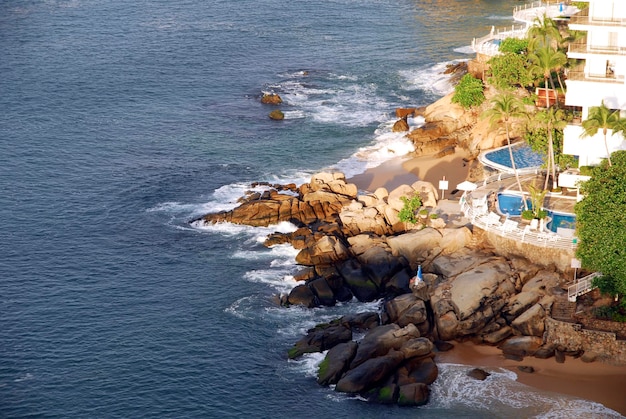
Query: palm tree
(544, 32)
(505, 107)
(543, 61)
(552, 119)
(602, 118)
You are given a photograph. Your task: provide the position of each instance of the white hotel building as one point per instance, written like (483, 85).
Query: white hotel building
(600, 77)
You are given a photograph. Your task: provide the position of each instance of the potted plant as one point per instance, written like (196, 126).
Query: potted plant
(535, 213)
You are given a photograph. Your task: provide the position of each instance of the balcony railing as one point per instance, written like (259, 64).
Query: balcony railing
(582, 47)
(578, 73)
(583, 18)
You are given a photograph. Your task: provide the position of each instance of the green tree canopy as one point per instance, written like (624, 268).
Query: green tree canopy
(514, 45)
(469, 92)
(509, 71)
(601, 224)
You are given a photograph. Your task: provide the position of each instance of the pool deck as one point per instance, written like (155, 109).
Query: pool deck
(563, 203)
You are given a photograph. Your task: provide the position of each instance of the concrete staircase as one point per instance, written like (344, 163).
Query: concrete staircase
(563, 309)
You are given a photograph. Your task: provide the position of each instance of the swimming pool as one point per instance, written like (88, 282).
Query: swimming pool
(511, 204)
(525, 158)
(561, 220)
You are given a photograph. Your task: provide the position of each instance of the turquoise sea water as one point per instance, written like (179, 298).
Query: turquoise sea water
(121, 121)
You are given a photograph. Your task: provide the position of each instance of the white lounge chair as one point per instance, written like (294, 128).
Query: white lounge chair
(491, 219)
(509, 225)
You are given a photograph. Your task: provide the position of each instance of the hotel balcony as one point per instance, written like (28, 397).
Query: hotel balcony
(583, 22)
(580, 50)
(580, 75)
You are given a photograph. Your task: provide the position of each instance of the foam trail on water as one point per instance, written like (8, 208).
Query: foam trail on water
(331, 99)
(430, 79)
(465, 50)
(500, 392)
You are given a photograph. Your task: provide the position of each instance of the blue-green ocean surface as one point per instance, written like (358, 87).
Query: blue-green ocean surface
(120, 121)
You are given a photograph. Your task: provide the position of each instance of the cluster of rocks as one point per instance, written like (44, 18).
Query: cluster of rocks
(391, 364)
(349, 243)
(354, 246)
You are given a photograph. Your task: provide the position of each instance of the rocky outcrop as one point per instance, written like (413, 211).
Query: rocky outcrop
(277, 115)
(271, 99)
(448, 125)
(401, 125)
(390, 364)
(352, 245)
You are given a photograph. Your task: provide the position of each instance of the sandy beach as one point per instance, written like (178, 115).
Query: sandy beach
(396, 172)
(595, 381)
(602, 383)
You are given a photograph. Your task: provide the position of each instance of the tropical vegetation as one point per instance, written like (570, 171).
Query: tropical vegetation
(408, 212)
(603, 118)
(601, 224)
(504, 108)
(469, 92)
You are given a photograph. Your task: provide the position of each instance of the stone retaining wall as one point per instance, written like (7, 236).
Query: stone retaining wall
(546, 256)
(572, 337)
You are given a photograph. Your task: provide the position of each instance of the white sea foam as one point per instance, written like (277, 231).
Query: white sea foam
(500, 392)
(388, 145)
(465, 50)
(308, 364)
(332, 99)
(430, 78)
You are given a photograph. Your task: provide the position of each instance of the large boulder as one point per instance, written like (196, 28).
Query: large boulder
(325, 251)
(450, 265)
(380, 264)
(336, 363)
(519, 303)
(417, 348)
(401, 125)
(302, 295)
(381, 340)
(406, 309)
(321, 338)
(369, 373)
(394, 200)
(416, 244)
(323, 291)
(363, 288)
(532, 321)
(543, 283)
(455, 239)
(422, 370)
(416, 394)
(427, 192)
(470, 289)
(271, 99)
(524, 345)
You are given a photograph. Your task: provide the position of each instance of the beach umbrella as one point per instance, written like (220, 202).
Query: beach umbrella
(466, 186)
(419, 273)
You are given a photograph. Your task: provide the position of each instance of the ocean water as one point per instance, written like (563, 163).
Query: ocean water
(122, 121)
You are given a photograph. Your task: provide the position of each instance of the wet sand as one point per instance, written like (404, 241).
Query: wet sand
(596, 381)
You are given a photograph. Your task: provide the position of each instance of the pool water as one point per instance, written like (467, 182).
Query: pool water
(523, 155)
(560, 220)
(510, 204)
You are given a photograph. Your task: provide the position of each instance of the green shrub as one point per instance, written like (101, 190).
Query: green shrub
(509, 70)
(469, 92)
(407, 213)
(514, 45)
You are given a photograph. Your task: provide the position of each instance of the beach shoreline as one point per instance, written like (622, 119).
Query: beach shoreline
(406, 170)
(596, 381)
